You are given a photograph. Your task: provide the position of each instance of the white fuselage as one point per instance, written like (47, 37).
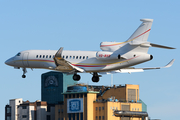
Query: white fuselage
(86, 60)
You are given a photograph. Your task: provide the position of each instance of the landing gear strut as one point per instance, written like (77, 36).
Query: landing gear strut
(76, 77)
(24, 72)
(95, 77)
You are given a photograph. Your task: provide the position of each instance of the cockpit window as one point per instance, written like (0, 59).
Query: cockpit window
(18, 54)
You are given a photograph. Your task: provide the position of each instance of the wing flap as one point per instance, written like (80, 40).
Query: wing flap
(64, 65)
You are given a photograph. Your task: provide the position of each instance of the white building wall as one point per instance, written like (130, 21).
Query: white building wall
(14, 105)
(31, 112)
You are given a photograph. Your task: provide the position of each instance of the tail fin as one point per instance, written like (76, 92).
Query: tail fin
(141, 34)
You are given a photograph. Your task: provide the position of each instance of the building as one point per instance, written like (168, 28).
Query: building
(53, 84)
(83, 102)
(25, 110)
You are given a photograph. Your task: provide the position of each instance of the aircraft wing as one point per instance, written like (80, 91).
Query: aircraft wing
(131, 69)
(64, 65)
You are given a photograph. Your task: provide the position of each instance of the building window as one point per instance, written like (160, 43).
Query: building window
(85, 95)
(48, 108)
(99, 117)
(62, 110)
(48, 117)
(103, 117)
(99, 108)
(96, 117)
(59, 110)
(73, 95)
(8, 117)
(77, 95)
(81, 95)
(69, 95)
(102, 108)
(81, 116)
(24, 107)
(24, 116)
(96, 108)
(65, 96)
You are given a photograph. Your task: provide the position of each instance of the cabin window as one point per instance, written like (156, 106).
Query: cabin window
(50, 56)
(86, 57)
(73, 57)
(63, 56)
(53, 56)
(40, 56)
(83, 57)
(66, 57)
(80, 57)
(46, 56)
(76, 57)
(43, 56)
(36, 56)
(70, 57)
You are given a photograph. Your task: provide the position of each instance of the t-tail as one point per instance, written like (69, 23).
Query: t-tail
(138, 38)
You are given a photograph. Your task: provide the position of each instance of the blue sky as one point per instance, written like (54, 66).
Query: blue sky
(82, 25)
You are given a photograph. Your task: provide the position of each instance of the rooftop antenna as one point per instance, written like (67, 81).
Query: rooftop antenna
(111, 80)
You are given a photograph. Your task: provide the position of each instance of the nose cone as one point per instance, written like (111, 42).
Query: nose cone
(9, 62)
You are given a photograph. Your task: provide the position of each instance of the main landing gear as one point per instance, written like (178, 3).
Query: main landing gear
(95, 77)
(24, 72)
(76, 77)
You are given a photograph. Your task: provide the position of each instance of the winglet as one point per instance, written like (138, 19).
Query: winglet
(59, 52)
(169, 64)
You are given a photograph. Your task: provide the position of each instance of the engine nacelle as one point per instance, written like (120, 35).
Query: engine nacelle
(102, 55)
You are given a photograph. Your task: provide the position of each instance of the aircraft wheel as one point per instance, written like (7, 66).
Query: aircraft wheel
(76, 77)
(23, 76)
(95, 79)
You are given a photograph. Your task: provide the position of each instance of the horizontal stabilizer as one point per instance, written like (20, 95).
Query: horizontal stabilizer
(161, 46)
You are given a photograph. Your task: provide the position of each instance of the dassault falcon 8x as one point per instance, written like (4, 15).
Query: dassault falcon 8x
(115, 57)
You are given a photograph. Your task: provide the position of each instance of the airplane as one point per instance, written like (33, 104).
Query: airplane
(115, 57)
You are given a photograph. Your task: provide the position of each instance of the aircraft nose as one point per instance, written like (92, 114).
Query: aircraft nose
(9, 62)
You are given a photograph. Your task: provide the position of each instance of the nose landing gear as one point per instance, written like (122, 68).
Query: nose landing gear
(24, 72)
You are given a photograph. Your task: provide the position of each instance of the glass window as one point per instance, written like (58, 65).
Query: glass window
(69, 57)
(86, 57)
(50, 56)
(24, 116)
(53, 56)
(63, 56)
(18, 54)
(46, 56)
(66, 57)
(76, 57)
(73, 57)
(103, 117)
(99, 108)
(23, 107)
(102, 108)
(36, 56)
(99, 117)
(79, 57)
(83, 57)
(96, 108)
(40, 56)
(43, 56)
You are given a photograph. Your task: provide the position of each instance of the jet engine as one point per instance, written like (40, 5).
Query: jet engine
(102, 55)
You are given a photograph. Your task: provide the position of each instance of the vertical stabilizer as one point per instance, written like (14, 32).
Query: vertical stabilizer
(141, 34)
